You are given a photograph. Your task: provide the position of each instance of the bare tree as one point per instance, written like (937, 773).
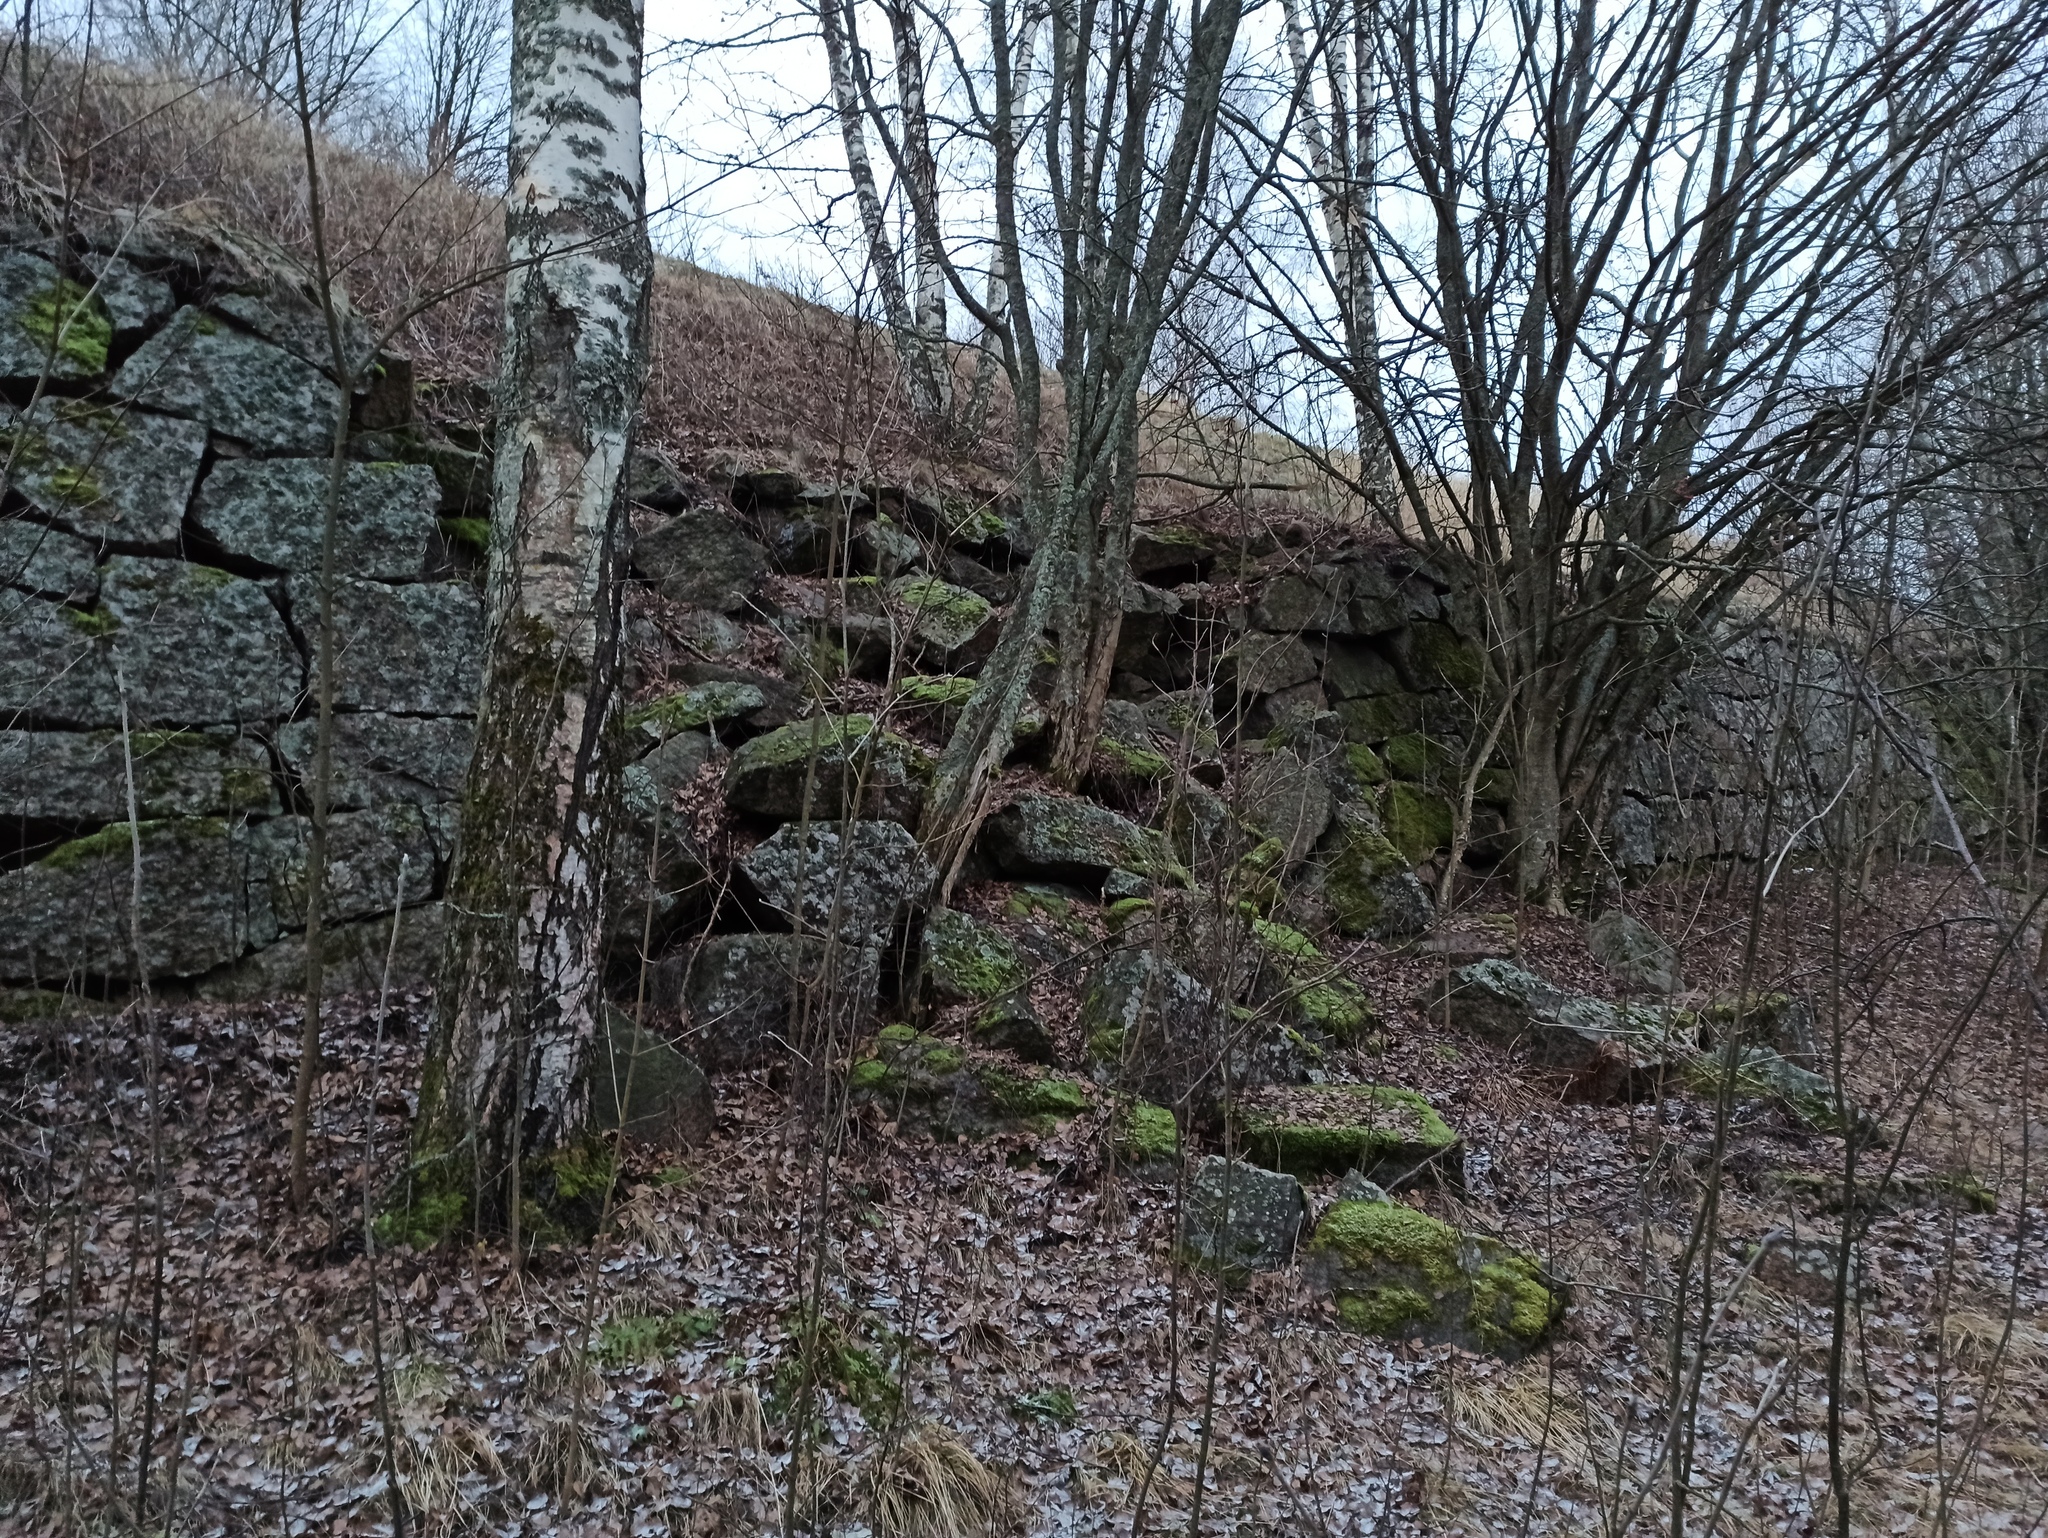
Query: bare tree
(1099, 172)
(1642, 261)
(521, 991)
(251, 46)
(455, 107)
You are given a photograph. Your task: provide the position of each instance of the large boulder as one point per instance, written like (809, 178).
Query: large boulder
(46, 563)
(204, 902)
(1634, 954)
(968, 961)
(642, 1085)
(1389, 1135)
(81, 777)
(1257, 663)
(1400, 1274)
(1618, 1050)
(1238, 1218)
(415, 648)
(50, 325)
(699, 557)
(857, 882)
(1350, 598)
(948, 625)
(1150, 1027)
(743, 996)
(1808, 1097)
(919, 1080)
(271, 511)
(364, 851)
(1369, 887)
(123, 477)
(660, 877)
(353, 959)
(1061, 838)
(1286, 798)
(1295, 983)
(816, 767)
(379, 758)
(194, 646)
(237, 384)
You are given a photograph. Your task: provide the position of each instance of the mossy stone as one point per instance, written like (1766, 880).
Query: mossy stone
(1418, 820)
(966, 960)
(1146, 1134)
(1385, 1132)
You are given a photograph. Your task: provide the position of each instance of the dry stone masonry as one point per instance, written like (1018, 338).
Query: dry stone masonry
(167, 420)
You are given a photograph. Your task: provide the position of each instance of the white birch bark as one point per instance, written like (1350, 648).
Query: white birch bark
(521, 979)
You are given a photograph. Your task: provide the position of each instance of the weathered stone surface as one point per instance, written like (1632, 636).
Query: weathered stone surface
(882, 549)
(364, 850)
(1781, 1021)
(121, 477)
(1434, 656)
(700, 557)
(1634, 954)
(297, 322)
(739, 995)
(195, 646)
(1369, 887)
(239, 385)
(203, 904)
(1401, 1274)
(660, 878)
(79, 777)
(1011, 1024)
(1392, 1136)
(1126, 752)
(856, 883)
(49, 322)
(1354, 670)
(417, 649)
(1352, 599)
(968, 961)
(1620, 1050)
(948, 625)
(1238, 1218)
(1808, 1096)
(697, 705)
(1172, 547)
(1286, 798)
(134, 299)
(835, 757)
(642, 1085)
(352, 960)
(784, 701)
(380, 758)
(922, 1081)
(1295, 982)
(41, 561)
(271, 511)
(1258, 663)
(1150, 1027)
(1059, 838)
(1418, 820)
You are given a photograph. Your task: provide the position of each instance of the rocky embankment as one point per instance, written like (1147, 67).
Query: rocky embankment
(1274, 785)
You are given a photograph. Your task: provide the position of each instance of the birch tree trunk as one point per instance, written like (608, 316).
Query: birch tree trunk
(502, 1102)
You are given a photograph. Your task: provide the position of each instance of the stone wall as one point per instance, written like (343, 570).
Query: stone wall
(159, 546)
(160, 551)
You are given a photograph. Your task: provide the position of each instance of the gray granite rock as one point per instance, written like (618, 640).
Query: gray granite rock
(1238, 1218)
(824, 760)
(739, 993)
(857, 883)
(1012, 1024)
(700, 557)
(642, 1085)
(660, 878)
(1286, 798)
(1619, 1051)
(271, 511)
(203, 904)
(1351, 599)
(380, 759)
(968, 961)
(363, 854)
(1060, 838)
(80, 777)
(123, 477)
(883, 549)
(297, 322)
(1258, 663)
(135, 300)
(239, 385)
(49, 322)
(417, 649)
(194, 645)
(948, 625)
(352, 960)
(46, 563)
(1634, 954)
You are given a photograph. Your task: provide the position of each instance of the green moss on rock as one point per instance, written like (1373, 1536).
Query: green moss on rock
(1146, 1133)
(942, 691)
(1328, 1129)
(70, 318)
(1418, 820)
(966, 960)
